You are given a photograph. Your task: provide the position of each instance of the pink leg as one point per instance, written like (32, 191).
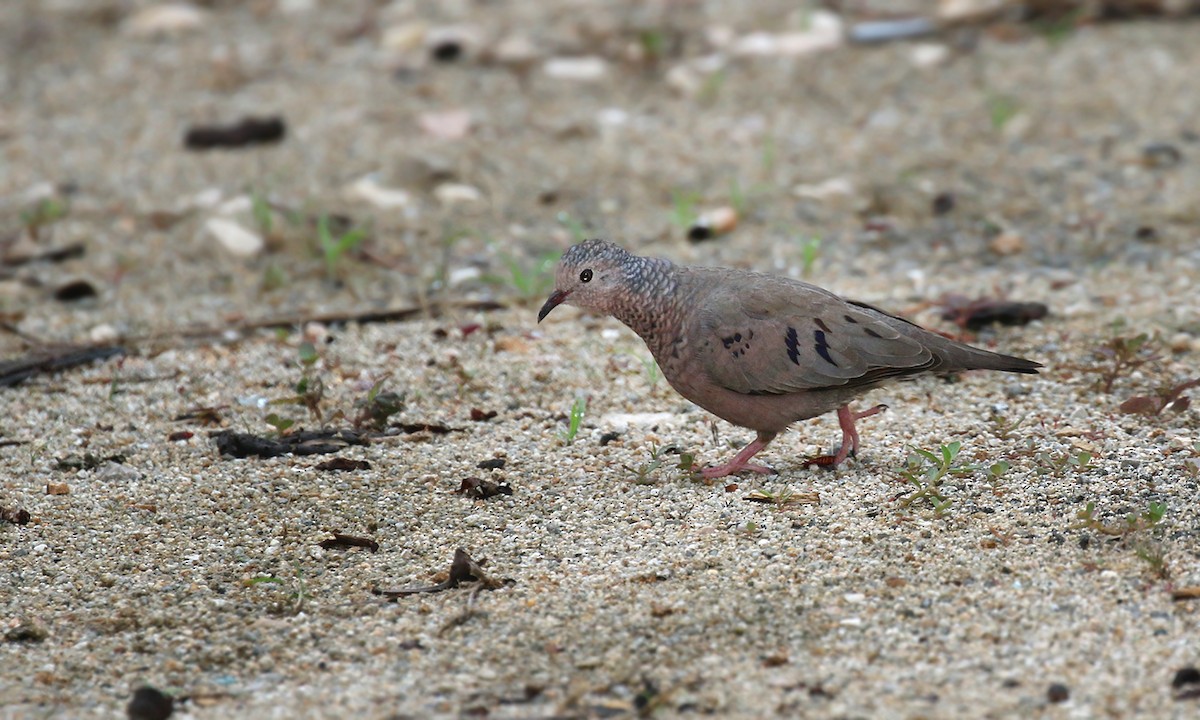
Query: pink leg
(741, 462)
(846, 419)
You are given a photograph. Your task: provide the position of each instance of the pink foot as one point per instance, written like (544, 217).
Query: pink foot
(846, 419)
(741, 461)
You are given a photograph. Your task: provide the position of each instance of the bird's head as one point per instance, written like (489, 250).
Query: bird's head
(590, 275)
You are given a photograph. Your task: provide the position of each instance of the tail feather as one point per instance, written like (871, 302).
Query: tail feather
(972, 358)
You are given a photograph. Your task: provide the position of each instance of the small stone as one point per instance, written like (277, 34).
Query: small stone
(962, 11)
(235, 238)
(515, 51)
(447, 125)
(166, 19)
(926, 55)
(1057, 693)
(623, 421)
(103, 334)
(457, 193)
(1007, 243)
(825, 190)
(1181, 343)
(581, 69)
(822, 32)
(369, 189)
(404, 37)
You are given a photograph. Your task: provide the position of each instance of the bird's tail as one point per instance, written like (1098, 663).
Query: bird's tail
(973, 358)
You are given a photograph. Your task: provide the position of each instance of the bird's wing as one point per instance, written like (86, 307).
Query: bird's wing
(764, 335)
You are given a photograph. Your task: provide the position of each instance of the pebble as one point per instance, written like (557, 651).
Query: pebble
(823, 32)
(962, 11)
(369, 189)
(516, 52)
(446, 125)
(457, 194)
(166, 19)
(926, 55)
(826, 189)
(1007, 243)
(404, 37)
(580, 69)
(103, 333)
(623, 421)
(235, 238)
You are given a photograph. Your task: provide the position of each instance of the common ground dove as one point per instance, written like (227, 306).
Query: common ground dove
(758, 350)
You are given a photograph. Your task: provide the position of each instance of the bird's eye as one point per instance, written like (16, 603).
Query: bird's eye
(585, 276)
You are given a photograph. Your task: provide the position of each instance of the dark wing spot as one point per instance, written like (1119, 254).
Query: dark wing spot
(850, 319)
(871, 332)
(792, 343)
(727, 342)
(737, 337)
(821, 324)
(823, 347)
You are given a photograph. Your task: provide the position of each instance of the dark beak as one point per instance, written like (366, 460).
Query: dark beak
(552, 302)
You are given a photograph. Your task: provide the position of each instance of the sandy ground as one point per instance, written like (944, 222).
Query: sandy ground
(626, 586)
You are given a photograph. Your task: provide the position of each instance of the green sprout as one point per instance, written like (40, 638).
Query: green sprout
(1001, 109)
(683, 209)
(575, 421)
(658, 457)
(46, 212)
(927, 470)
(334, 248)
(809, 252)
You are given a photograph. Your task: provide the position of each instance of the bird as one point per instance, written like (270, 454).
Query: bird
(757, 350)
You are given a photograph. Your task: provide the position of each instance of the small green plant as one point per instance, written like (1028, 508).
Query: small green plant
(658, 458)
(309, 390)
(1058, 28)
(273, 278)
(280, 423)
(1148, 519)
(291, 602)
(1121, 355)
(1058, 464)
(529, 282)
(996, 470)
(46, 211)
(1003, 427)
(1001, 109)
(683, 209)
(654, 44)
(574, 420)
(260, 208)
(737, 197)
(653, 372)
(783, 497)
(333, 249)
(928, 470)
(1141, 530)
(377, 408)
(810, 250)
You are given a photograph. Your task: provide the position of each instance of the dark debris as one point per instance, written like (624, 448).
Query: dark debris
(342, 541)
(312, 442)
